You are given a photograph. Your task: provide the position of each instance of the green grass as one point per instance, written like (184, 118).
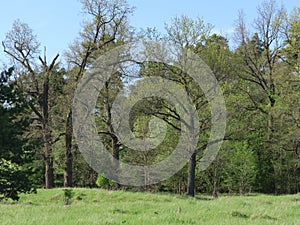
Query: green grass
(95, 206)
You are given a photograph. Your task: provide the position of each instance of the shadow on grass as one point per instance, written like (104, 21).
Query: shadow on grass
(205, 198)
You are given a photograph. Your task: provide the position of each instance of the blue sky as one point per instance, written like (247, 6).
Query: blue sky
(57, 23)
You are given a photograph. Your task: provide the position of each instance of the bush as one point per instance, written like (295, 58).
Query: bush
(103, 182)
(68, 195)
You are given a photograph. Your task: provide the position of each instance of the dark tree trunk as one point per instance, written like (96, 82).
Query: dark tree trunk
(115, 148)
(68, 179)
(115, 153)
(116, 156)
(191, 175)
(270, 123)
(68, 173)
(114, 139)
(49, 174)
(44, 103)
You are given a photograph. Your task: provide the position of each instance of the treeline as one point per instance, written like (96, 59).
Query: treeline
(260, 80)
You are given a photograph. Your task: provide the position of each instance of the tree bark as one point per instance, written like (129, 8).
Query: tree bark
(49, 175)
(273, 169)
(44, 103)
(49, 171)
(115, 148)
(191, 175)
(68, 173)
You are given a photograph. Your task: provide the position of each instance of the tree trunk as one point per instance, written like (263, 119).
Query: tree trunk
(191, 175)
(68, 173)
(115, 153)
(114, 139)
(115, 148)
(272, 172)
(215, 182)
(49, 175)
(44, 104)
(116, 157)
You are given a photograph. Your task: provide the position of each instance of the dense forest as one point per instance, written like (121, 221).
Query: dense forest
(259, 77)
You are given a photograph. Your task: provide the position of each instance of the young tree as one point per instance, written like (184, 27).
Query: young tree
(239, 167)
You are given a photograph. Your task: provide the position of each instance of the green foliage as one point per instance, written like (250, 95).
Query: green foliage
(239, 168)
(15, 151)
(103, 182)
(260, 79)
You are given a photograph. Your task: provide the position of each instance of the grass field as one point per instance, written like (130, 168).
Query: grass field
(95, 206)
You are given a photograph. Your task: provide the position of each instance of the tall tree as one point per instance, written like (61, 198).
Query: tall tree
(214, 51)
(287, 113)
(106, 25)
(264, 74)
(188, 34)
(22, 47)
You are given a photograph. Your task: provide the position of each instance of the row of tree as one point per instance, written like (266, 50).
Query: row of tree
(260, 80)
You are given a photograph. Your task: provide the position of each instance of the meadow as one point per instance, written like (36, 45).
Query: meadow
(96, 206)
